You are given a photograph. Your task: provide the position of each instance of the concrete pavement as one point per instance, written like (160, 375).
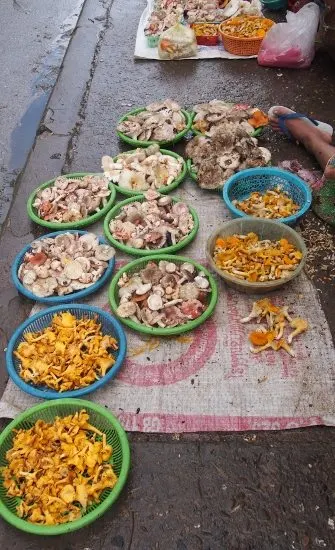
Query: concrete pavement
(263, 491)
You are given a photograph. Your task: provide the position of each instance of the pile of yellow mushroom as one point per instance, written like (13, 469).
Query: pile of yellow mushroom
(276, 319)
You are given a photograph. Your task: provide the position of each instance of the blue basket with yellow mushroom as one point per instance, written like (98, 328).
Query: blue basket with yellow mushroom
(40, 321)
(240, 186)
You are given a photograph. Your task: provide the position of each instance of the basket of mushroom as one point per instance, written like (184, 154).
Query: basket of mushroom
(163, 295)
(162, 122)
(151, 224)
(256, 255)
(136, 171)
(71, 201)
(230, 148)
(63, 266)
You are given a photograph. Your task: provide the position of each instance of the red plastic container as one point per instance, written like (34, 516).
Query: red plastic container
(203, 39)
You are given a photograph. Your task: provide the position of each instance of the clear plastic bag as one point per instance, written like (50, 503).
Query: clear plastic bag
(176, 42)
(291, 44)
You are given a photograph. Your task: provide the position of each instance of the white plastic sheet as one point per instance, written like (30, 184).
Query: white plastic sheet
(142, 50)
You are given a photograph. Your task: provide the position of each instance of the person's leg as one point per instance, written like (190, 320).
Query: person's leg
(318, 143)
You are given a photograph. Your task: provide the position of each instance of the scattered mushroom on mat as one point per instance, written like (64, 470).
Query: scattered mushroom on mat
(270, 335)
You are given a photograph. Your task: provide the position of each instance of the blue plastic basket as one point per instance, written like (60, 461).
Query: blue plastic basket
(68, 297)
(109, 325)
(241, 185)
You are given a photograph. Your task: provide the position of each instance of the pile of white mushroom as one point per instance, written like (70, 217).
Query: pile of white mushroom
(154, 223)
(72, 199)
(163, 294)
(216, 112)
(160, 121)
(142, 169)
(64, 264)
(229, 149)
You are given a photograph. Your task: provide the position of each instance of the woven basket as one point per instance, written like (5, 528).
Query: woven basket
(241, 46)
(265, 229)
(101, 419)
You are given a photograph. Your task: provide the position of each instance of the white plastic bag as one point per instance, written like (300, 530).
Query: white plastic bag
(176, 42)
(291, 44)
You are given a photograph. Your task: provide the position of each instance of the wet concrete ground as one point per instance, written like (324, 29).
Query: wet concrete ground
(34, 37)
(263, 491)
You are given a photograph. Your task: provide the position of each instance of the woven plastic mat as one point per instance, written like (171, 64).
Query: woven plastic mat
(208, 380)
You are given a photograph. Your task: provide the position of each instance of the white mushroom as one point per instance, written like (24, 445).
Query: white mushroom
(29, 277)
(41, 271)
(189, 268)
(170, 267)
(56, 265)
(84, 262)
(88, 241)
(73, 270)
(143, 289)
(265, 154)
(189, 291)
(164, 201)
(127, 309)
(104, 252)
(64, 281)
(86, 278)
(155, 302)
(136, 243)
(201, 282)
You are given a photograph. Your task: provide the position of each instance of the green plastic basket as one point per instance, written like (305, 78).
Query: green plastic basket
(32, 211)
(137, 143)
(140, 252)
(101, 419)
(162, 190)
(191, 172)
(255, 134)
(136, 265)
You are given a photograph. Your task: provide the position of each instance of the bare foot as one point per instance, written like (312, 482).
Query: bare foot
(299, 128)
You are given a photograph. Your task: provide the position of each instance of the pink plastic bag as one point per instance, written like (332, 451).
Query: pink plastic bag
(291, 45)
